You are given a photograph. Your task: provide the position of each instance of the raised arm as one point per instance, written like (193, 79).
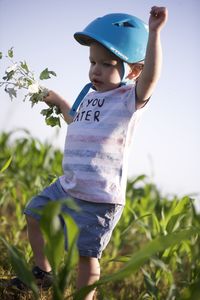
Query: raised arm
(153, 61)
(54, 99)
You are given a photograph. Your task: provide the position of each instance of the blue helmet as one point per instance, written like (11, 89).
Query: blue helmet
(124, 35)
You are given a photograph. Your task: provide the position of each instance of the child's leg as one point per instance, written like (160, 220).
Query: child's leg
(88, 273)
(51, 193)
(37, 244)
(88, 268)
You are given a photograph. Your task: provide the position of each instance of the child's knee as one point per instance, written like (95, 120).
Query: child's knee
(87, 259)
(31, 221)
(89, 262)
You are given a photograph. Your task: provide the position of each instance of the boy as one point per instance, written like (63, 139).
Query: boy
(125, 67)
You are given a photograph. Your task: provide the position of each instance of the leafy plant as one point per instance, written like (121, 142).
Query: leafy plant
(154, 252)
(143, 255)
(55, 244)
(21, 267)
(19, 76)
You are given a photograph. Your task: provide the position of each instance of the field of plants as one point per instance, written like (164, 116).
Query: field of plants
(154, 253)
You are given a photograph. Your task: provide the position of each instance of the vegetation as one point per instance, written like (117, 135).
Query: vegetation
(154, 252)
(18, 76)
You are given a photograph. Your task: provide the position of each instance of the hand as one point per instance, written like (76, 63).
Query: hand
(53, 98)
(158, 18)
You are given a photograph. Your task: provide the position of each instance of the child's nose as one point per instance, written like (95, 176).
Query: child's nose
(97, 69)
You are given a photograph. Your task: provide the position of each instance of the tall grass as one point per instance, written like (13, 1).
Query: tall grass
(154, 252)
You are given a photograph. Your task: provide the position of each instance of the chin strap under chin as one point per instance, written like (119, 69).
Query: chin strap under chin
(88, 86)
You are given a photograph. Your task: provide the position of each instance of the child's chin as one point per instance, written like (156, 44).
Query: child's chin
(105, 89)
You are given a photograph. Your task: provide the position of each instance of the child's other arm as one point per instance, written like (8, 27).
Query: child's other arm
(153, 61)
(54, 99)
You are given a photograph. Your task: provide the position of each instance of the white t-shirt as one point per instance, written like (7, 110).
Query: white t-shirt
(97, 146)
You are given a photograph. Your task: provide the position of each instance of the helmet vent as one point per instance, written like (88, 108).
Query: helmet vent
(124, 24)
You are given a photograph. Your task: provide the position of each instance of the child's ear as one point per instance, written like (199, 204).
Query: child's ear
(135, 71)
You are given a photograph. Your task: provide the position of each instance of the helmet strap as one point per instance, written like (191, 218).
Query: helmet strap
(79, 99)
(125, 72)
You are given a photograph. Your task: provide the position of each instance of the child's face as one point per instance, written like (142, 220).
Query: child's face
(105, 68)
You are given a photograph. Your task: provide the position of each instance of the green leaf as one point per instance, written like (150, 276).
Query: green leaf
(35, 98)
(45, 74)
(21, 268)
(72, 253)
(24, 66)
(156, 245)
(52, 73)
(47, 112)
(150, 283)
(141, 257)
(53, 234)
(120, 259)
(6, 165)
(1, 55)
(175, 222)
(192, 292)
(180, 208)
(12, 92)
(8, 75)
(10, 52)
(53, 121)
(54, 243)
(183, 204)
(139, 178)
(156, 224)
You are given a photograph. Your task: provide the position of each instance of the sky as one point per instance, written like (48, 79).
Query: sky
(166, 146)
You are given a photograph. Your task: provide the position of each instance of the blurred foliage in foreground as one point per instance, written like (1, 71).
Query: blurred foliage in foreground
(154, 252)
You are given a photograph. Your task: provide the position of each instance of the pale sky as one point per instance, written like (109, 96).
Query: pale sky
(166, 145)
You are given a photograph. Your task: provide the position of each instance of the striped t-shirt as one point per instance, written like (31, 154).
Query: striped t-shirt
(97, 145)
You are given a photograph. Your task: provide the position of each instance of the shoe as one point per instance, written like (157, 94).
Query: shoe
(44, 280)
(18, 284)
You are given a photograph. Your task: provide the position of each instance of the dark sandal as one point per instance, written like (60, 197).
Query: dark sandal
(18, 284)
(43, 279)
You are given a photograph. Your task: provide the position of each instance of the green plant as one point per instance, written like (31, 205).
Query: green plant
(18, 76)
(154, 252)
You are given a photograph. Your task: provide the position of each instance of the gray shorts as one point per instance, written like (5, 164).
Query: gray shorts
(96, 221)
